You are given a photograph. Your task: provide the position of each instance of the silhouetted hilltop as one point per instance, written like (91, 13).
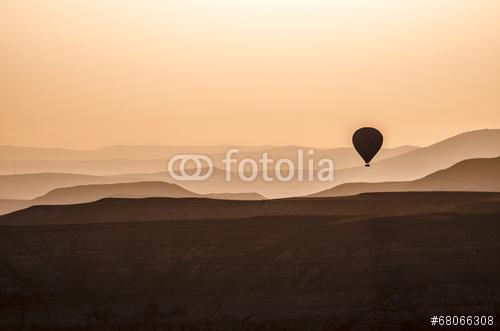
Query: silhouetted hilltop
(235, 196)
(88, 193)
(29, 186)
(10, 205)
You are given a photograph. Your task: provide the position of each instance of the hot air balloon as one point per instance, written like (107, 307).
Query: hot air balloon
(367, 142)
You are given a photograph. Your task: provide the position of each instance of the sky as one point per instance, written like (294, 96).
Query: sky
(93, 73)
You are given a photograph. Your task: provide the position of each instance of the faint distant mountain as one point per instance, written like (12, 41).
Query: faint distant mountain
(157, 209)
(148, 159)
(408, 164)
(426, 160)
(120, 152)
(343, 157)
(412, 165)
(88, 167)
(469, 175)
(112, 160)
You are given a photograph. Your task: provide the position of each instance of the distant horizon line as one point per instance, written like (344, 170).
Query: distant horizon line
(226, 145)
(193, 146)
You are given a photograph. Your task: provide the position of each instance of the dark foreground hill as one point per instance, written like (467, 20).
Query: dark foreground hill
(277, 272)
(161, 209)
(270, 273)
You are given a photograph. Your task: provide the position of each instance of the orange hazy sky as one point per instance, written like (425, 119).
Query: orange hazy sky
(91, 73)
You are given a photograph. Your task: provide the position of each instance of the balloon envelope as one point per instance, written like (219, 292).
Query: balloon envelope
(367, 142)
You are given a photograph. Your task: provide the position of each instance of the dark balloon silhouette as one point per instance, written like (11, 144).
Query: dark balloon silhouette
(367, 142)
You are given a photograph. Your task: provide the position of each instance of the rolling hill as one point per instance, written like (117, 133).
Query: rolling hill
(469, 175)
(158, 209)
(94, 192)
(29, 186)
(412, 165)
